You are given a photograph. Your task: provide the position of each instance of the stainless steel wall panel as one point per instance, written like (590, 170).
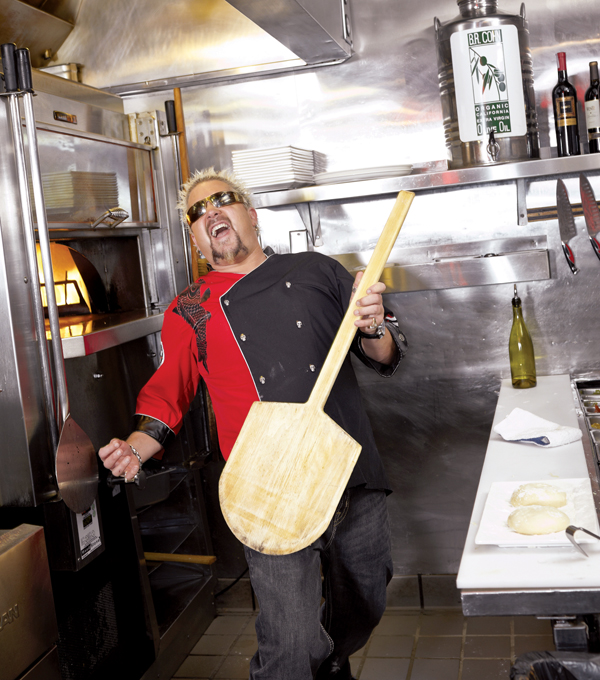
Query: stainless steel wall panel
(382, 107)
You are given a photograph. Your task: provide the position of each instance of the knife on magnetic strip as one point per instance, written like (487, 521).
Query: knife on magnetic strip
(591, 212)
(566, 223)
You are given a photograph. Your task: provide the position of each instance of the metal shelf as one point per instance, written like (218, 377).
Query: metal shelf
(431, 180)
(83, 335)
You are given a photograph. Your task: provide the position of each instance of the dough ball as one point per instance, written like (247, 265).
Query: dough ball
(537, 519)
(538, 493)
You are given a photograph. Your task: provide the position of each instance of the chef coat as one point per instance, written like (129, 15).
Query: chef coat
(262, 336)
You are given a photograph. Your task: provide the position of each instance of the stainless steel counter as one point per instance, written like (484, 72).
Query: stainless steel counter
(542, 581)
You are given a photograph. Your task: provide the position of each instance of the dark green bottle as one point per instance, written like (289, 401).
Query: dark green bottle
(520, 349)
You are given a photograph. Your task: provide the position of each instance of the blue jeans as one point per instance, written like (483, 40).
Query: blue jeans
(300, 639)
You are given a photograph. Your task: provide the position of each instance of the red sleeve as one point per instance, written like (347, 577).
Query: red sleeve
(166, 397)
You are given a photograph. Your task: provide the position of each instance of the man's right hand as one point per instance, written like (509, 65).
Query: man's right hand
(118, 457)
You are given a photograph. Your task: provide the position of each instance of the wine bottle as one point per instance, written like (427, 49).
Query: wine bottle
(520, 349)
(592, 109)
(564, 100)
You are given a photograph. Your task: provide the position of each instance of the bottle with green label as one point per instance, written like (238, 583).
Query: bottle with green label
(520, 349)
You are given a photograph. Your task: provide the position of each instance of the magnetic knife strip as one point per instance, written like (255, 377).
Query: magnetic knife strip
(551, 213)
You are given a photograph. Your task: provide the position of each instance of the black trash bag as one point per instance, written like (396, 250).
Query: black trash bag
(556, 666)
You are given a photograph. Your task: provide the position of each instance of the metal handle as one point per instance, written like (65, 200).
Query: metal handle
(570, 257)
(24, 70)
(171, 116)
(9, 67)
(112, 217)
(570, 531)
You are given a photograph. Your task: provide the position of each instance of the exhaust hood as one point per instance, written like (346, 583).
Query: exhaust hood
(43, 32)
(314, 30)
(147, 45)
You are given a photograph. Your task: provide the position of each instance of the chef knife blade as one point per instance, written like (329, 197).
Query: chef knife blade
(591, 212)
(566, 223)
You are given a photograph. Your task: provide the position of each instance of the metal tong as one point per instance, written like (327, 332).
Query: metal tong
(570, 531)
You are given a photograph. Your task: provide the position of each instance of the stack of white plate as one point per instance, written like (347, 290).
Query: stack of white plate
(362, 174)
(75, 189)
(284, 167)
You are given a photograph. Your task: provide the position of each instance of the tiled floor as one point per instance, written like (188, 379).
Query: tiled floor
(405, 646)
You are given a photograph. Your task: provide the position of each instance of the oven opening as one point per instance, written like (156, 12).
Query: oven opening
(98, 284)
(78, 287)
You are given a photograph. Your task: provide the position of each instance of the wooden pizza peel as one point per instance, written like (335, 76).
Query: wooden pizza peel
(291, 462)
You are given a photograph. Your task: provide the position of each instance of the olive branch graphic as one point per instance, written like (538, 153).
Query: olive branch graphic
(486, 73)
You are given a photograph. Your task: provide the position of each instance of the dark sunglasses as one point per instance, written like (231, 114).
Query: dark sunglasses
(218, 200)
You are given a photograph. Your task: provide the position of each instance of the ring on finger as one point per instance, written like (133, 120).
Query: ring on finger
(373, 323)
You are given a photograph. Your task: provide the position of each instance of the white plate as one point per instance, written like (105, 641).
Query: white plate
(362, 174)
(273, 171)
(274, 179)
(276, 186)
(273, 151)
(580, 510)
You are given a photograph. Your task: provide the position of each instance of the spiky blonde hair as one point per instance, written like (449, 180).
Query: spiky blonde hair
(206, 175)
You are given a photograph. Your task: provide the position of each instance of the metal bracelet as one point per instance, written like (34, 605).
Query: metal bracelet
(379, 332)
(137, 455)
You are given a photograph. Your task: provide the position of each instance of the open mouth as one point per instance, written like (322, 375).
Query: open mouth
(219, 229)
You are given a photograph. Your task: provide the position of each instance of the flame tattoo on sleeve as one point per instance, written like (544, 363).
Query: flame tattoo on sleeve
(189, 307)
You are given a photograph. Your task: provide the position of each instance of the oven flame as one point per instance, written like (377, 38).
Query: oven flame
(69, 287)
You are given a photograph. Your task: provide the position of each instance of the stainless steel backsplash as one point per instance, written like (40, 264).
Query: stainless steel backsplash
(382, 107)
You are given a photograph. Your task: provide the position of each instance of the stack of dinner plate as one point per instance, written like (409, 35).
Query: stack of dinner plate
(77, 195)
(73, 189)
(285, 167)
(362, 174)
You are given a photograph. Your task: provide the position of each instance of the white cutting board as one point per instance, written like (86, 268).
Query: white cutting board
(491, 567)
(579, 508)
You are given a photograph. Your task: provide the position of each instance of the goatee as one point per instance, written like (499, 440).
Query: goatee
(231, 254)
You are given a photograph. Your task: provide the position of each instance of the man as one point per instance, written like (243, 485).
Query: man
(259, 326)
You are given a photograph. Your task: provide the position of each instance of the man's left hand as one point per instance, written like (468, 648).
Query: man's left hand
(371, 312)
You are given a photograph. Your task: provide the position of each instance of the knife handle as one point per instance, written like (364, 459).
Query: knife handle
(595, 246)
(570, 257)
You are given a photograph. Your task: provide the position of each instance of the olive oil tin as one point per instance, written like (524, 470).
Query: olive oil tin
(485, 75)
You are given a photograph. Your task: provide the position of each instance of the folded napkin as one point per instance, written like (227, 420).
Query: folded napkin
(523, 426)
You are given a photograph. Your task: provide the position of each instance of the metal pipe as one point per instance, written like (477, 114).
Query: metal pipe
(44, 239)
(38, 313)
(185, 234)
